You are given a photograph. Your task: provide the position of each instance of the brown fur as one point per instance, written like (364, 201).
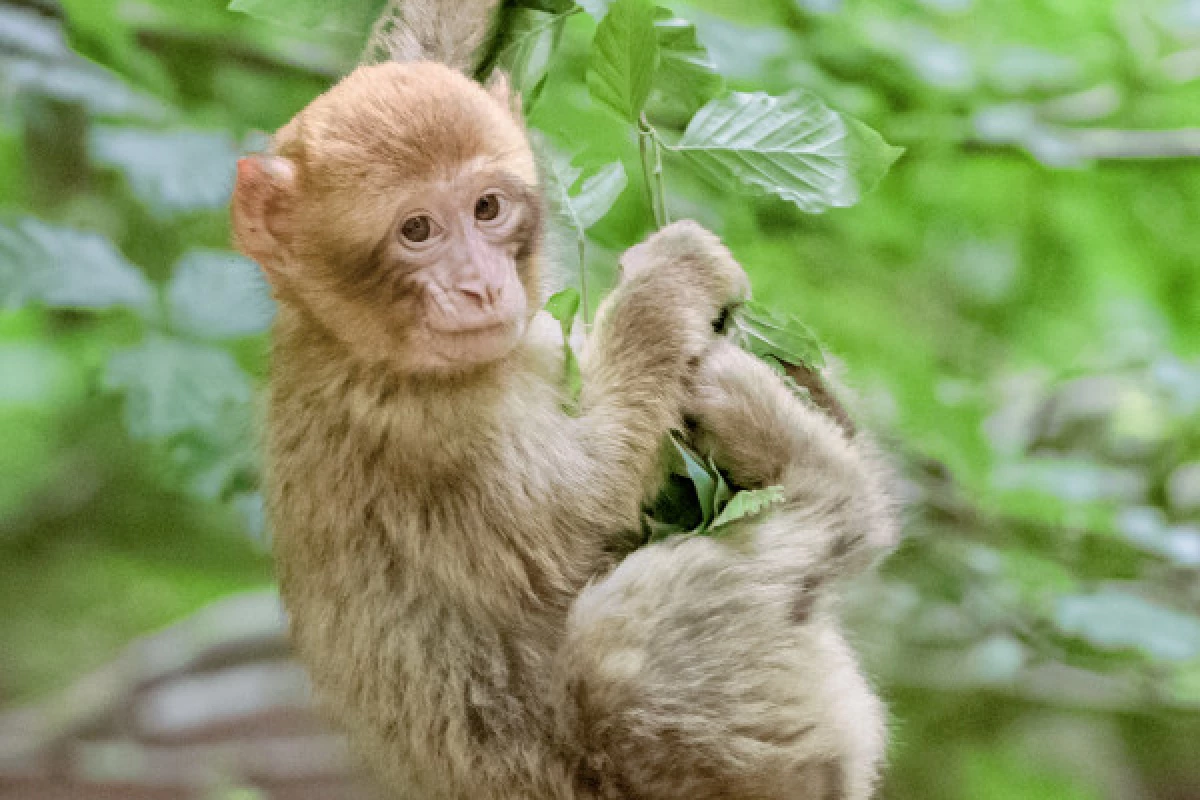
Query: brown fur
(441, 537)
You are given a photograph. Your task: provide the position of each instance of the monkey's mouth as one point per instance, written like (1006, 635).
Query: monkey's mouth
(480, 327)
(476, 343)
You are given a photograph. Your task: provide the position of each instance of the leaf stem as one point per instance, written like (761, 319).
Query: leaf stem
(660, 183)
(648, 171)
(583, 282)
(652, 171)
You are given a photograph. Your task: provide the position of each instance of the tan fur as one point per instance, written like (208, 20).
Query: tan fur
(452, 32)
(444, 540)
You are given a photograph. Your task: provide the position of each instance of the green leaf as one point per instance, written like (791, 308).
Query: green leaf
(747, 503)
(1112, 619)
(26, 31)
(218, 294)
(36, 59)
(172, 172)
(743, 52)
(596, 8)
(221, 458)
(624, 58)
(347, 16)
(172, 386)
(563, 306)
(598, 193)
(793, 147)
(690, 466)
(529, 42)
(66, 268)
(550, 6)
(771, 334)
(723, 494)
(37, 374)
(655, 530)
(686, 78)
(595, 197)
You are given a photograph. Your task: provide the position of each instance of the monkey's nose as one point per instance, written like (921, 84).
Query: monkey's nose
(483, 294)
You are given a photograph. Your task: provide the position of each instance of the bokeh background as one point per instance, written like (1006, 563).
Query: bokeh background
(1018, 305)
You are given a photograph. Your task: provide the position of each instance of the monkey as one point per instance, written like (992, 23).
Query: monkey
(442, 528)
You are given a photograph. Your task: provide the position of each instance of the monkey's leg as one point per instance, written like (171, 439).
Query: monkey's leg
(685, 676)
(839, 508)
(700, 670)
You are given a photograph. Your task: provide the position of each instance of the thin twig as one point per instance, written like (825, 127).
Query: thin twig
(648, 171)
(583, 282)
(660, 183)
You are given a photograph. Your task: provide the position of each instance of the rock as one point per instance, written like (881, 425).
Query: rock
(245, 626)
(211, 708)
(204, 705)
(258, 761)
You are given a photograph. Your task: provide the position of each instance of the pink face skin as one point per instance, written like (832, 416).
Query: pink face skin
(458, 251)
(445, 288)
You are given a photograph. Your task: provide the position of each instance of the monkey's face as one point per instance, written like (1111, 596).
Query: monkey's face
(459, 255)
(400, 210)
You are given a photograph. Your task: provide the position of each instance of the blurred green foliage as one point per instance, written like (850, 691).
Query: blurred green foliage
(1018, 302)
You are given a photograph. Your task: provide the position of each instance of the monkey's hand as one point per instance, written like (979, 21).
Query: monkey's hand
(839, 506)
(697, 257)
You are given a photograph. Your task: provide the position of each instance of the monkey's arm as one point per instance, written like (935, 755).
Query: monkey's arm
(648, 334)
(839, 507)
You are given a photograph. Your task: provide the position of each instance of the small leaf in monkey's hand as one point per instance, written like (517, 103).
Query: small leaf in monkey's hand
(675, 510)
(346, 16)
(794, 147)
(563, 306)
(655, 529)
(723, 494)
(769, 334)
(527, 46)
(624, 58)
(747, 503)
(687, 463)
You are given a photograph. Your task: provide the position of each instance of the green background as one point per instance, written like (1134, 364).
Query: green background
(1017, 303)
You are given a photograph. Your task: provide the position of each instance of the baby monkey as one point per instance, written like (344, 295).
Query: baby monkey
(442, 527)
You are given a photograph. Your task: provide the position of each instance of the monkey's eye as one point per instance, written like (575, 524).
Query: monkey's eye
(487, 207)
(417, 229)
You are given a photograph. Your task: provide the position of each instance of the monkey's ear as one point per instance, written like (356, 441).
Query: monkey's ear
(262, 182)
(499, 87)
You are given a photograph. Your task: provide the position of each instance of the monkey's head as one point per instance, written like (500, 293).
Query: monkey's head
(400, 211)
